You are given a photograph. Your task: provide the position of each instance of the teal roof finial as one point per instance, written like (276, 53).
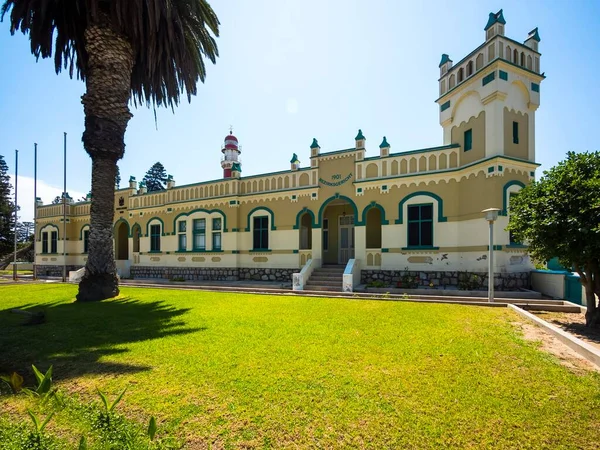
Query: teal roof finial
(131, 178)
(445, 59)
(295, 159)
(169, 177)
(384, 143)
(314, 144)
(495, 18)
(533, 34)
(359, 136)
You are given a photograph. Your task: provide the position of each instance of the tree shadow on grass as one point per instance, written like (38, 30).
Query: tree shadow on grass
(77, 338)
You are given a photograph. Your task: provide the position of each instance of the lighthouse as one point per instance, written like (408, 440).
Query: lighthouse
(230, 162)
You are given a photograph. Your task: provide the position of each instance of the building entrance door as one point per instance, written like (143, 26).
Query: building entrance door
(346, 239)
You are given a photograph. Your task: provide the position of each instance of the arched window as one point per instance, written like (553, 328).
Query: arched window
(461, 75)
(306, 231)
(373, 229)
(516, 56)
(522, 59)
(469, 68)
(452, 81)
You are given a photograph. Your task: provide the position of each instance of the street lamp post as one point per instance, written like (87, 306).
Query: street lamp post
(491, 214)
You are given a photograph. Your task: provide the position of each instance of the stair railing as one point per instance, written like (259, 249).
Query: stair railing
(351, 275)
(300, 279)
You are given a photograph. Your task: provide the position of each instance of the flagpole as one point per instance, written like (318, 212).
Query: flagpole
(64, 278)
(16, 209)
(34, 206)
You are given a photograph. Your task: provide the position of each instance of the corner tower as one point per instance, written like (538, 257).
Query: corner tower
(489, 98)
(230, 161)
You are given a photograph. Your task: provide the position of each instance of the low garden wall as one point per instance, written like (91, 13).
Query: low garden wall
(53, 270)
(212, 274)
(468, 281)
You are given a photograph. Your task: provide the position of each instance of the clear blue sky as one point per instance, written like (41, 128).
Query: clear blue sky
(291, 70)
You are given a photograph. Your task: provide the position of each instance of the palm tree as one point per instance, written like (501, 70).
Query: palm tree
(147, 51)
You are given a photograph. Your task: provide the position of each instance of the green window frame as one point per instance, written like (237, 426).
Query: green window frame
(260, 232)
(182, 235)
(420, 225)
(155, 238)
(45, 242)
(54, 242)
(199, 234)
(515, 132)
(86, 241)
(468, 139)
(216, 233)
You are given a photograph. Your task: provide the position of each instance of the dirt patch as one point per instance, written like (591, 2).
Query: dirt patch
(550, 344)
(573, 324)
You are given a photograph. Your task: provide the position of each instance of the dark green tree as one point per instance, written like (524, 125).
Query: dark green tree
(149, 51)
(156, 178)
(7, 210)
(559, 216)
(25, 231)
(57, 200)
(118, 178)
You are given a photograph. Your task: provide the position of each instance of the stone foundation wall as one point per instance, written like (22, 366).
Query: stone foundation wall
(53, 270)
(442, 280)
(212, 274)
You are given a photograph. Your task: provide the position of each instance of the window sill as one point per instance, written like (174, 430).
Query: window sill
(260, 250)
(154, 252)
(420, 248)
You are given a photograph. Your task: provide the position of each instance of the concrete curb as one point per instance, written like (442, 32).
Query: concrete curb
(584, 349)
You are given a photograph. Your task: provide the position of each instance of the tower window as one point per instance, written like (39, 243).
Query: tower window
(468, 140)
(515, 132)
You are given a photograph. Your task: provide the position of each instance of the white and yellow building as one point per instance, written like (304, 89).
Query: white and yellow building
(412, 210)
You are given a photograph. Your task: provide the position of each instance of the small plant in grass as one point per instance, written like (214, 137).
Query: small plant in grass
(14, 381)
(44, 390)
(36, 438)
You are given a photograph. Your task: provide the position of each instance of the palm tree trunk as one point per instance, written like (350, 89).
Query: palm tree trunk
(105, 103)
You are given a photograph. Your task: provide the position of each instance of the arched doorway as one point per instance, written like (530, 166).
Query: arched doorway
(337, 225)
(122, 241)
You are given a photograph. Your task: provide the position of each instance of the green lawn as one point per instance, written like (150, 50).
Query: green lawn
(233, 370)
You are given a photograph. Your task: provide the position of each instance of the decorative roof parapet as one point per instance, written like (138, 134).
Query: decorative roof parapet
(495, 18)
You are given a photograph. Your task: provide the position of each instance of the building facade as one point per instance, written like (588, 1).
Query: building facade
(396, 212)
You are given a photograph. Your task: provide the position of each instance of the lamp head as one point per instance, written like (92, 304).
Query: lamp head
(491, 214)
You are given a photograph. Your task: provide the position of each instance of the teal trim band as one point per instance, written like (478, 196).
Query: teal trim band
(263, 208)
(385, 250)
(496, 247)
(207, 211)
(121, 220)
(381, 209)
(503, 75)
(299, 216)
(505, 195)
(338, 197)
(296, 251)
(488, 78)
(161, 223)
(235, 229)
(235, 252)
(420, 248)
(445, 106)
(155, 252)
(260, 250)
(441, 217)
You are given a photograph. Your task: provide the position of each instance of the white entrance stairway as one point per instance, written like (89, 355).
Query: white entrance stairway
(326, 278)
